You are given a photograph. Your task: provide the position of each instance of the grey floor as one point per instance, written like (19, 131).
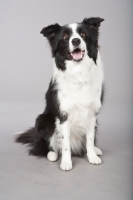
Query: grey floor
(24, 177)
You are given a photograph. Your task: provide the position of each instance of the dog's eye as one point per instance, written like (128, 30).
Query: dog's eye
(82, 34)
(65, 37)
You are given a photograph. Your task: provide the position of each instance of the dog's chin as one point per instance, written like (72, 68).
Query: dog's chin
(78, 60)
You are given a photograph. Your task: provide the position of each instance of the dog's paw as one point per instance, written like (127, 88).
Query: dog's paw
(52, 156)
(98, 151)
(66, 165)
(94, 159)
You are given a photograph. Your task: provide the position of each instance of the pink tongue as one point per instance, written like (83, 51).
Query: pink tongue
(77, 55)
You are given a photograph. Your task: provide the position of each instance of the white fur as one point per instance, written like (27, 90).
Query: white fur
(79, 91)
(52, 156)
(90, 136)
(66, 163)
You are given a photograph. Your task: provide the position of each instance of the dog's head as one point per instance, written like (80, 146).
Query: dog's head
(73, 41)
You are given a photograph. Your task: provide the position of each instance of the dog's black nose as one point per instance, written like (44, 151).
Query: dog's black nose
(76, 41)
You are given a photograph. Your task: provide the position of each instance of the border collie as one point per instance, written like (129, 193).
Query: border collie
(74, 98)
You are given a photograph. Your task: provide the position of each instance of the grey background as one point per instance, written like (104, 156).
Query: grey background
(25, 71)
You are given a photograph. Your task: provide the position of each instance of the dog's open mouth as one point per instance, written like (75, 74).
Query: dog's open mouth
(77, 54)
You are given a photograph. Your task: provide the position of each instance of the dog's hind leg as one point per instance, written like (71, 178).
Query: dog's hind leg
(52, 156)
(44, 130)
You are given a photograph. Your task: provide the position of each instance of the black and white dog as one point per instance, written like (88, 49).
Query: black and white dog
(74, 97)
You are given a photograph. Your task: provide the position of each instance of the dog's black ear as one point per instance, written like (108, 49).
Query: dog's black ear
(51, 31)
(93, 22)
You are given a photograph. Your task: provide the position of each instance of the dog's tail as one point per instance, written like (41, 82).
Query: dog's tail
(38, 147)
(27, 137)
(38, 137)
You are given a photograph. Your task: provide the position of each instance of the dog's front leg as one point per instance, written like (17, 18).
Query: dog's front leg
(66, 162)
(90, 136)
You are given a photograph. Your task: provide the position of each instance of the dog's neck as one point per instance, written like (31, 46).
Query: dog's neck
(79, 71)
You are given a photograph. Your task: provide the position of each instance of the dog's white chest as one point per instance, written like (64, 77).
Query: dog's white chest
(75, 93)
(81, 91)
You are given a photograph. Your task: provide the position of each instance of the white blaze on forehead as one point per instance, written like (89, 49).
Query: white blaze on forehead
(74, 27)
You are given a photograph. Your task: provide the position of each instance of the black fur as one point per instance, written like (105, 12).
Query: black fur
(90, 26)
(27, 137)
(44, 126)
(102, 94)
